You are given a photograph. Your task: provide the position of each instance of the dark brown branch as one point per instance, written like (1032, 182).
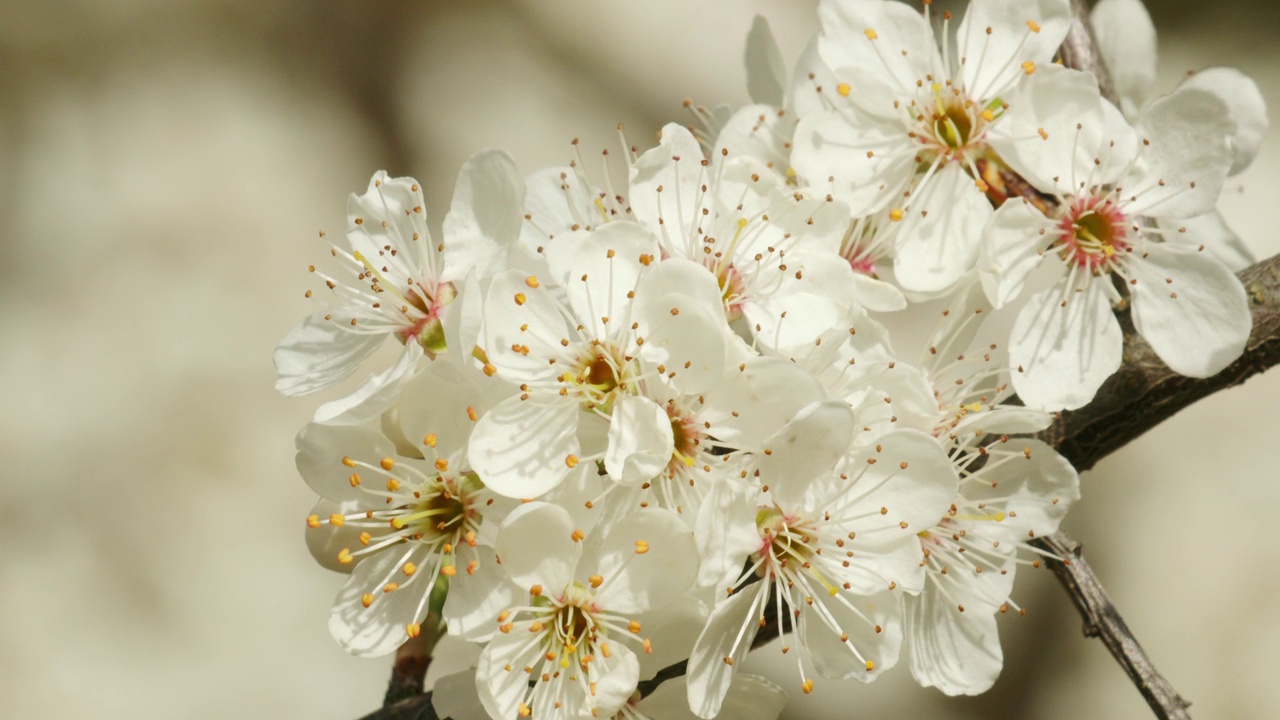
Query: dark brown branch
(1103, 621)
(1144, 392)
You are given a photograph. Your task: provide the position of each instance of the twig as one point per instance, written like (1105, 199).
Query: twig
(1103, 621)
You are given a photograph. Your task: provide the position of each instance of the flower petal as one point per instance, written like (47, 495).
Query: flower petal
(1248, 109)
(939, 238)
(749, 696)
(726, 534)
(997, 37)
(766, 75)
(723, 644)
(806, 447)
(486, 216)
(640, 440)
(1012, 247)
(376, 394)
(1211, 231)
(537, 547)
(619, 672)
(380, 628)
(1191, 309)
(1063, 346)
(648, 559)
(667, 189)
(956, 652)
(523, 328)
(1033, 491)
(1186, 164)
(869, 160)
(317, 353)
(322, 449)
(1126, 40)
(455, 697)
(872, 624)
(752, 401)
(603, 276)
(477, 596)
(889, 39)
(522, 448)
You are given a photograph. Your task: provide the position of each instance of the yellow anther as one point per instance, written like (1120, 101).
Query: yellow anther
(471, 414)
(988, 115)
(413, 630)
(442, 465)
(1035, 26)
(366, 599)
(896, 214)
(409, 569)
(390, 587)
(429, 440)
(337, 520)
(596, 580)
(531, 281)
(642, 547)
(354, 479)
(871, 34)
(999, 517)
(571, 460)
(633, 626)
(807, 686)
(973, 407)
(524, 710)
(870, 666)
(344, 556)
(393, 484)
(1028, 67)
(1044, 134)
(449, 570)
(844, 89)
(576, 536)
(365, 538)
(791, 172)
(520, 298)
(535, 626)
(348, 462)
(398, 523)
(535, 590)
(489, 369)
(313, 521)
(387, 464)
(471, 567)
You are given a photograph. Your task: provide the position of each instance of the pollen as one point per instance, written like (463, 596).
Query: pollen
(896, 214)
(642, 547)
(413, 630)
(337, 520)
(571, 460)
(388, 463)
(449, 570)
(344, 556)
(520, 298)
(1034, 26)
(531, 281)
(313, 521)
(596, 580)
(871, 34)
(870, 666)
(429, 440)
(409, 569)
(366, 599)
(807, 686)
(348, 462)
(354, 479)
(1028, 67)
(442, 465)
(843, 89)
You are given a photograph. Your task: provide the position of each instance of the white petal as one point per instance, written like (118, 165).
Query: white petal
(318, 353)
(321, 450)
(726, 534)
(956, 652)
(521, 448)
(486, 216)
(380, 628)
(903, 48)
(810, 73)
(835, 145)
(327, 541)
(1186, 164)
(858, 619)
(671, 632)
(619, 673)
(500, 678)
(1012, 247)
(376, 394)
(1033, 491)
(455, 697)
(877, 295)
(1061, 355)
(1126, 40)
(580, 488)
(939, 237)
(556, 199)
(806, 447)
(1055, 126)
(441, 400)
(1191, 309)
(683, 334)
(751, 402)
(995, 39)
(1248, 108)
(677, 207)
(476, 598)
(392, 213)
(766, 75)
(603, 275)
(537, 547)
(517, 316)
(640, 440)
(648, 559)
(728, 634)
(1211, 231)
(1004, 420)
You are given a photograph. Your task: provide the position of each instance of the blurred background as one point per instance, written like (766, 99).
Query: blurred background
(165, 166)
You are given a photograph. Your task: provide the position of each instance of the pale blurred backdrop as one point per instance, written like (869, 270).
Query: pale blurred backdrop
(165, 166)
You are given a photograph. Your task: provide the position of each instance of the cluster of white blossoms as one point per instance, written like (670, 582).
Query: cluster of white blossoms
(629, 427)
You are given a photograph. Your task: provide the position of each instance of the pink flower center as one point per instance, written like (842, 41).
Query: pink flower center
(1093, 232)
